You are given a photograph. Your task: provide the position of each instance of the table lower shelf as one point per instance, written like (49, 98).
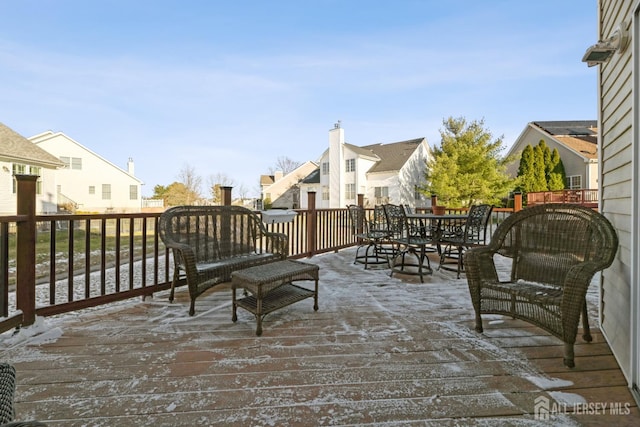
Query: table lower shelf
(280, 297)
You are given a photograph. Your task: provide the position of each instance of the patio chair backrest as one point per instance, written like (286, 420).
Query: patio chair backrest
(475, 229)
(379, 222)
(395, 220)
(356, 219)
(545, 241)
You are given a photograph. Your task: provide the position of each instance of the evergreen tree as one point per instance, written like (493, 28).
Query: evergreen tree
(526, 171)
(548, 164)
(540, 180)
(557, 177)
(467, 168)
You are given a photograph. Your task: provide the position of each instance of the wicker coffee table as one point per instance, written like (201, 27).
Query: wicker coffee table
(270, 287)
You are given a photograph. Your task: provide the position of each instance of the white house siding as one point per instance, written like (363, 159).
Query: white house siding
(617, 182)
(411, 175)
(75, 184)
(45, 200)
(282, 192)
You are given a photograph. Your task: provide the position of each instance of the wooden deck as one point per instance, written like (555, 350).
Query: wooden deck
(379, 351)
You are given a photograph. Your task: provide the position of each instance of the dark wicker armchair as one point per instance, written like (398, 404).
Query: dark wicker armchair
(555, 250)
(7, 391)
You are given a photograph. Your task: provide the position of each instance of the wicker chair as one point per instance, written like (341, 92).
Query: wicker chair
(555, 250)
(371, 235)
(473, 233)
(7, 391)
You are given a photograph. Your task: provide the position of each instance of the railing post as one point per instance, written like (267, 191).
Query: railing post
(26, 248)
(434, 200)
(361, 199)
(226, 196)
(312, 222)
(517, 201)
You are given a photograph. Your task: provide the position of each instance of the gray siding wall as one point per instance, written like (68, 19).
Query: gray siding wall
(616, 114)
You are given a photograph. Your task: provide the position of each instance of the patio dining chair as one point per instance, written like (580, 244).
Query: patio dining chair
(553, 251)
(471, 234)
(411, 238)
(372, 235)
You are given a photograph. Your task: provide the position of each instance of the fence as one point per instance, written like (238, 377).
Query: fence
(52, 264)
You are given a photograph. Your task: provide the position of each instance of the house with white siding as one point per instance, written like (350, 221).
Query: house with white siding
(87, 182)
(382, 173)
(19, 156)
(576, 142)
(283, 191)
(619, 152)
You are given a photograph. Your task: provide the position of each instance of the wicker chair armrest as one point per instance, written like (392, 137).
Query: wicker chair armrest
(578, 280)
(186, 257)
(480, 266)
(279, 243)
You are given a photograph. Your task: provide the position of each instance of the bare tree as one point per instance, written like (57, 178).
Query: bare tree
(215, 184)
(284, 164)
(191, 181)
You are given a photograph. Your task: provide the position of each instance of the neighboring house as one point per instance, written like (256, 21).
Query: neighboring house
(87, 182)
(382, 173)
(619, 149)
(18, 156)
(576, 142)
(283, 191)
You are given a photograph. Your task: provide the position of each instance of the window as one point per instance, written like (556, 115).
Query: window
(106, 191)
(381, 195)
(34, 170)
(416, 193)
(325, 193)
(574, 182)
(92, 189)
(350, 191)
(325, 168)
(350, 165)
(71, 162)
(20, 169)
(133, 192)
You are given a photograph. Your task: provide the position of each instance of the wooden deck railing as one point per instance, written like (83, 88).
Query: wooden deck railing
(587, 197)
(80, 261)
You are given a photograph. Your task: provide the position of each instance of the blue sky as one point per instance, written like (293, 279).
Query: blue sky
(227, 87)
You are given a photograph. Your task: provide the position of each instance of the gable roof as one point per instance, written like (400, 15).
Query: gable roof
(579, 135)
(16, 148)
(47, 135)
(392, 156)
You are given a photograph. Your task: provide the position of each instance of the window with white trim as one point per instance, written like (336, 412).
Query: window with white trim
(106, 191)
(325, 193)
(325, 168)
(574, 182)
(350, 165)
(350, 191)
(381, 195)
(71, 162)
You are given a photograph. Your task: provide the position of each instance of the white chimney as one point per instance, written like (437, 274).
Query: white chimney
(277, 176)
(130, 166)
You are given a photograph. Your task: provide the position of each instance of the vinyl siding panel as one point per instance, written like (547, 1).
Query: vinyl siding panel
(617, 173)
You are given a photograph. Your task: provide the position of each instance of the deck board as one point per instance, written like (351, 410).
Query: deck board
(380, 350)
